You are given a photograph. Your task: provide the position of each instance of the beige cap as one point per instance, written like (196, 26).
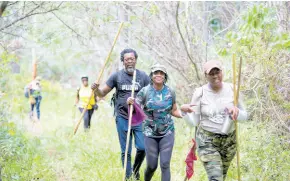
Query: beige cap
(157, 67)
(208, 66)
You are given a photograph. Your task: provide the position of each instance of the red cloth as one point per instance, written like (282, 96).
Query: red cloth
(190, 158)
(138, 115)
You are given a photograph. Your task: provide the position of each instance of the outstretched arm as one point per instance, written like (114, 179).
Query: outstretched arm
(176, 112)
(102, 91)
(191, 112)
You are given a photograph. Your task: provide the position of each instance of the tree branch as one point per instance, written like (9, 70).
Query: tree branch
(184, 43)
(3, 7)
(68, 26)
(15, 35)
(29, 14)
(167, 59)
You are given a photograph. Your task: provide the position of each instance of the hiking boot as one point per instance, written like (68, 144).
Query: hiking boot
(140, 155)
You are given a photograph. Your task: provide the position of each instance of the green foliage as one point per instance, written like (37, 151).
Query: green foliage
(95, 155)
(258, 29)
(22, 158)
(215, 24)
(264, 156)
(264, 48)
(5, 60)
(154, 9)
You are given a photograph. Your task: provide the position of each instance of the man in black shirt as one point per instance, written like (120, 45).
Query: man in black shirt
(122, 81)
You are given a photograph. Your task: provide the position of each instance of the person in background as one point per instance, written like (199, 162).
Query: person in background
(33, 92)
(82, 100)
(159, 104)
(211, 106)
(122, 82)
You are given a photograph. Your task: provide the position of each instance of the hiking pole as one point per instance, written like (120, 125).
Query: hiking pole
(99, 78)
(129, 126)
(236, 97)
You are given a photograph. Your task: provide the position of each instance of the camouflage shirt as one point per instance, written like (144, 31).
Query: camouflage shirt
(157, 105)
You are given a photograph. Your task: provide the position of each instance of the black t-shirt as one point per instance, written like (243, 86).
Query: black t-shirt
(123, 84)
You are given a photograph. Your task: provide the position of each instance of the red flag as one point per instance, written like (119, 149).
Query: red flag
(138, 115)
(190, 158)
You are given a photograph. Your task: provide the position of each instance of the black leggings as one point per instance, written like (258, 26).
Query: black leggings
(87, 117)
(154, 147)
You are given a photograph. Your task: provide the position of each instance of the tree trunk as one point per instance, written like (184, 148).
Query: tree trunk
(3, 7)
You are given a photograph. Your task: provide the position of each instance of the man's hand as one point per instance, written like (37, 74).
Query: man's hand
(130, 100)
(188, 108)
(95, 86)
(234, 112)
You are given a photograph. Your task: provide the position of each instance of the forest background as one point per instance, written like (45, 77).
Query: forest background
(73, 38)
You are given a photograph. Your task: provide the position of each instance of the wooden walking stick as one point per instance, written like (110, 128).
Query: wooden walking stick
(129, 126)
(99, 78)
(236, 98)
(34, 64)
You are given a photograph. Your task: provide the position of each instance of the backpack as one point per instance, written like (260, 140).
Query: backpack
(26, 92)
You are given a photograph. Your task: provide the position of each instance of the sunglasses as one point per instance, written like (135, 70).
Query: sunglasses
(127, 59)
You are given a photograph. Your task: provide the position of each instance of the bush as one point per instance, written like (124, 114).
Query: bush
(22, 157)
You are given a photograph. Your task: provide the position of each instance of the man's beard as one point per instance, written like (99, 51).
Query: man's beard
(130, 69)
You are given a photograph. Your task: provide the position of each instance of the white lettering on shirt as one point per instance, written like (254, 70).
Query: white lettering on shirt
(129, 87)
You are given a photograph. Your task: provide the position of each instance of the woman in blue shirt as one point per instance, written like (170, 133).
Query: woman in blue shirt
(158, 102)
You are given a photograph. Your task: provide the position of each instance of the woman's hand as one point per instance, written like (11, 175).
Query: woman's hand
(130, 100)
(188, 108)
(234, 112)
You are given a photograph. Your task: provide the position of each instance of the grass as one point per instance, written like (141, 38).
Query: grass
(95, 155)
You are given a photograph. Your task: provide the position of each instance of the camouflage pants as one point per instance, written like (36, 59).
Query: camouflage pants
(216, 151)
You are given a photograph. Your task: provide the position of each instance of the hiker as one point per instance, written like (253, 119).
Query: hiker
(211, 106)
(33, 92)
(122, 81)
(159, 104)
(82, 100)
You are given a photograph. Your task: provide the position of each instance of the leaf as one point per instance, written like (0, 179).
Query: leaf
(11, 132)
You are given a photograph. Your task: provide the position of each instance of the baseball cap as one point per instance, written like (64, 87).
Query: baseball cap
(84, 76)
(157, 67)
(38, 78)
(208, 66)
